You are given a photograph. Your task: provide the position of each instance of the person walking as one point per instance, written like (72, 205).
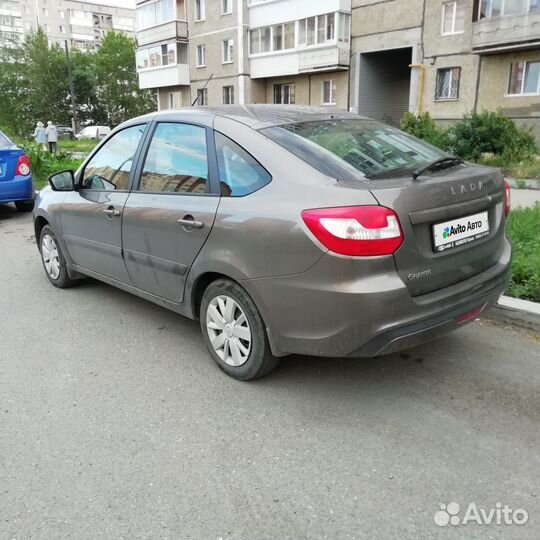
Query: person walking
(52, 136)
(40, 136)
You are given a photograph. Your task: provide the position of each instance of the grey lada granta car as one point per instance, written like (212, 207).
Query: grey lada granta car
(283, 229)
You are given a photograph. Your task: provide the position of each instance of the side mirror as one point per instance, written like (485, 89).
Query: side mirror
(63, 181)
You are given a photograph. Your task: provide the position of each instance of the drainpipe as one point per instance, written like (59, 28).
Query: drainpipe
(422, 68)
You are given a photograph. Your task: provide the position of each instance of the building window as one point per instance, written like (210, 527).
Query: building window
(272, 38)
(314, 30)
(202, 96)
(496, 8)
(175, 100)
(344, 27)
(448, 83)
(200, 10)
(151, 14)
(226, 7)
(453, 17)
(62, 14)
(227, 51)
(201, 55)
(228, 95)
(524, 78)
(160, 55)
(284, 94)
(62, 29)
(329, 92)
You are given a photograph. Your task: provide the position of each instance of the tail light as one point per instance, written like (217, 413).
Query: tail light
(364, 231)
(23, 166)
(506, 198)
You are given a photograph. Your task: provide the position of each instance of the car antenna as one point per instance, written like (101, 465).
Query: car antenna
(205, 85)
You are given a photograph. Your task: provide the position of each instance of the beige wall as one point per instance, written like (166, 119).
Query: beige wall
(308, 88)
(451, 109)
(374, 16)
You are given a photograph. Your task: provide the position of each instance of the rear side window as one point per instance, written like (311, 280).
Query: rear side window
(177, 160)
(239, 173)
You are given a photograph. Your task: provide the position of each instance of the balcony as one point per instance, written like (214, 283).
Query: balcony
(507, 33)
(172, 30)
(175, 75)
(330, 57)
(268, 12)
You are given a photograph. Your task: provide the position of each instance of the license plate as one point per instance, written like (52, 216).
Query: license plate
(460, 231)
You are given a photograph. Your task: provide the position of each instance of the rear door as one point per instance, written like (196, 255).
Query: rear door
(453, 224)
(92, 215)
(170, 212)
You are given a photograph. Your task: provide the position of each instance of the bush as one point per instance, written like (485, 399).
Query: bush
(423, 127)
(44, 163)
(491, 132)
(524, 231)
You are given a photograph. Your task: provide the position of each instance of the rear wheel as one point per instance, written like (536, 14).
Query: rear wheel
(53, 259)
(234, 332)
(25, 206)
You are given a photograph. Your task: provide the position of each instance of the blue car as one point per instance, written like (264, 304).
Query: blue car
(15, 176)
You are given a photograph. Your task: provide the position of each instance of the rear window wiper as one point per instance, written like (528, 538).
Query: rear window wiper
(441, 163)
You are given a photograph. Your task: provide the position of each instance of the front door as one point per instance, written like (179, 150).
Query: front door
(170, 212)
(92, 215)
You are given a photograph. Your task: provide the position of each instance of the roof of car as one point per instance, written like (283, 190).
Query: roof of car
(261, 116)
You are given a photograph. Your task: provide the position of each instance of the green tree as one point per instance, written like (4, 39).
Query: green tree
(117, 84)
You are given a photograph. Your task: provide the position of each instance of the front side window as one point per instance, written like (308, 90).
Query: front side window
(177, 160)
(347, 149)
(453, 18)
(227, 45)
(329, 92)
(228, 95)
(284, 94)
(239, 173)
(110, 167)
(524, 78)
(448, 83)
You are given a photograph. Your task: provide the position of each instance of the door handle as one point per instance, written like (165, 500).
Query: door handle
(189, 222)
(111, 211)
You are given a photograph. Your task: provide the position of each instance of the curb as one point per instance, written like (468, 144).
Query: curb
(517, 312)
(524, 184)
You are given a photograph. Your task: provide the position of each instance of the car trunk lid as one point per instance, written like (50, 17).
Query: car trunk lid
(447, 197)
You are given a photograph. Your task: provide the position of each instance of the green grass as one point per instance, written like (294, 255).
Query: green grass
(524, 231)
(526, 169)
(44, 163)
(76, 146)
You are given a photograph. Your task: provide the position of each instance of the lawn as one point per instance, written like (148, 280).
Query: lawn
(86, 146)
(524, 231)
(527, 169)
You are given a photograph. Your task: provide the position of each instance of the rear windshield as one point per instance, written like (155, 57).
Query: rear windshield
(5, 142)
(344, 148)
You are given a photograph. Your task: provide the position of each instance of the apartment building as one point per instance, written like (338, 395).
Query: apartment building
(379, 58)
(446, 57)
(260, 51)
(82, 24)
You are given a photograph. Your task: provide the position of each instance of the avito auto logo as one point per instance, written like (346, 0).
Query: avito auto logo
(460, 228)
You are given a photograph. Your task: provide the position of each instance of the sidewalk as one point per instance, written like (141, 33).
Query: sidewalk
(524, 198)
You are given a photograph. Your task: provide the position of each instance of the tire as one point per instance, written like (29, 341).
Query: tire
(55, 265)
(25, 206)
(234, 332)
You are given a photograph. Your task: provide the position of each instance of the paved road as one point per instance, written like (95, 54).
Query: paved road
(115, 424)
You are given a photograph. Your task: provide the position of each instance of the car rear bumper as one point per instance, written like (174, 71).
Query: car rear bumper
(18, 189)
(332, 313)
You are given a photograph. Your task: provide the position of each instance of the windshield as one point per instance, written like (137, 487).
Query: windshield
(366, 146)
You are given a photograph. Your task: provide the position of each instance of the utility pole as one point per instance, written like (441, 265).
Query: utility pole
(71, 90)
